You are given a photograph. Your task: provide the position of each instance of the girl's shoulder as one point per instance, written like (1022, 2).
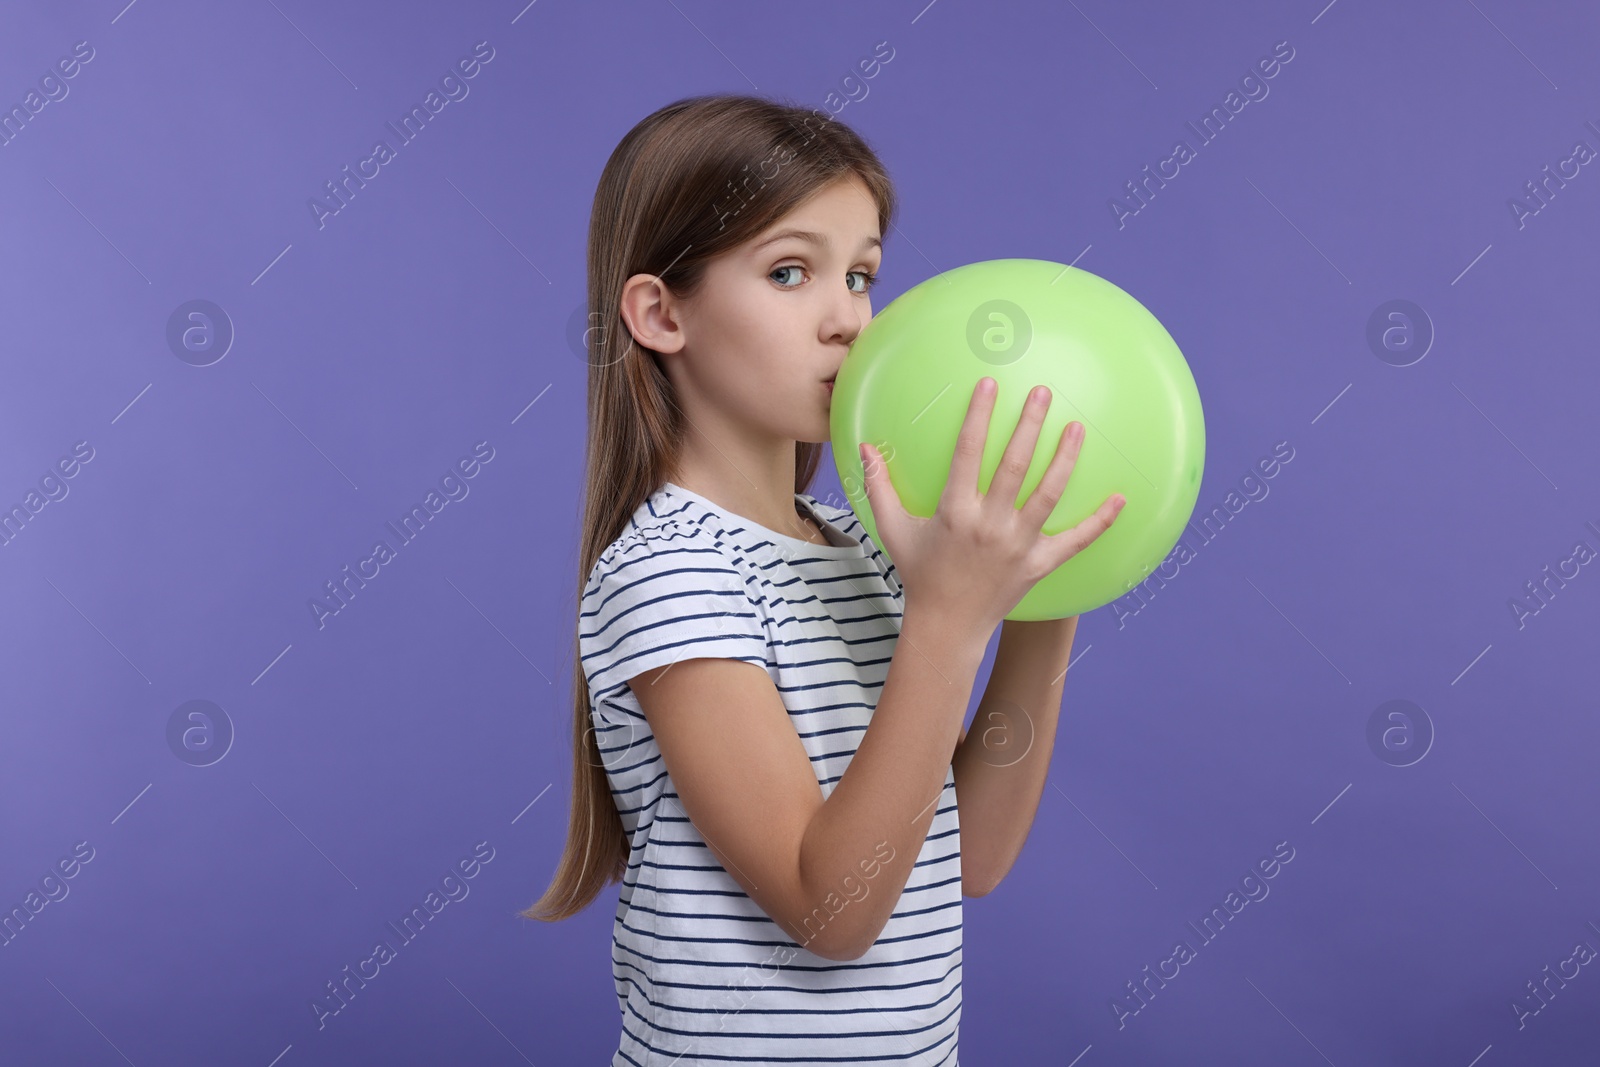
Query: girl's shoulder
(665, 589)
(660, 529)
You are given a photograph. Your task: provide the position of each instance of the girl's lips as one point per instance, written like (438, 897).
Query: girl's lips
(829, 385)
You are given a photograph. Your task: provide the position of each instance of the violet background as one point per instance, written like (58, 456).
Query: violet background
(436, 310)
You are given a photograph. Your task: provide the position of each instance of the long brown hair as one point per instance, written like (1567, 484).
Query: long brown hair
(688, 183)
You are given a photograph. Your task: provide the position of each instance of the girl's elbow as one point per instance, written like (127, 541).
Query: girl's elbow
(835, 949)
(974, 882)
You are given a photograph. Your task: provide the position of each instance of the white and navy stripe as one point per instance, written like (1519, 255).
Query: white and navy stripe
(703, 975)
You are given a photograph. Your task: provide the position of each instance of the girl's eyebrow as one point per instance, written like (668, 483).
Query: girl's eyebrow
(814, 238)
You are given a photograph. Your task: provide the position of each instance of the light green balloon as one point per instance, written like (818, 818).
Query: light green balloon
(1108, 363)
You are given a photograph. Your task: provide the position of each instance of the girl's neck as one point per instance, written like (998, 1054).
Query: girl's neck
(786, 517)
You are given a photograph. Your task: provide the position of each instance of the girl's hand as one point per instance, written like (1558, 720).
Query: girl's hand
(978, 555)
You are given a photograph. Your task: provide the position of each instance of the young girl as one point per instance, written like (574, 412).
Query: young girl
(767, 715)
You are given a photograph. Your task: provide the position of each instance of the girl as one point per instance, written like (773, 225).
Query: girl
(767, 715)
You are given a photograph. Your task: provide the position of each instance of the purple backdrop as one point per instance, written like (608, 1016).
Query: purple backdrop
(1380, 262)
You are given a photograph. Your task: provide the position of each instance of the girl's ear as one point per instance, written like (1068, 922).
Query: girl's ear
(652, 314)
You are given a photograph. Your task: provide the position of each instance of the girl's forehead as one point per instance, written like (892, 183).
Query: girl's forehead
(818, 232)
(842, 200)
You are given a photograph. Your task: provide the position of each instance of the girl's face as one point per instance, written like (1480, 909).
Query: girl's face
(777, 315)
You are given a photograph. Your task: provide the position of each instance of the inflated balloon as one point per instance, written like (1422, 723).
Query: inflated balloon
(1108, 363)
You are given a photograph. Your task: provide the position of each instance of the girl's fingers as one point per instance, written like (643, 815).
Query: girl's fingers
(887, 509)
(1007, 480)
(968, 458)
(1042, 501)
(1068, 543)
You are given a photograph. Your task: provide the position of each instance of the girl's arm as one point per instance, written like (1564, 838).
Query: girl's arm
(996, 790)
(891, 789)
(747, 783)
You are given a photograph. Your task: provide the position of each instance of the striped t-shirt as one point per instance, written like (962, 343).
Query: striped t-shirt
(703, 975)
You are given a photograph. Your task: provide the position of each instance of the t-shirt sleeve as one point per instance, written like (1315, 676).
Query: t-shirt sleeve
(658, 597)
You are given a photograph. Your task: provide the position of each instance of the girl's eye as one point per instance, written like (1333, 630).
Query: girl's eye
(869, 278)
